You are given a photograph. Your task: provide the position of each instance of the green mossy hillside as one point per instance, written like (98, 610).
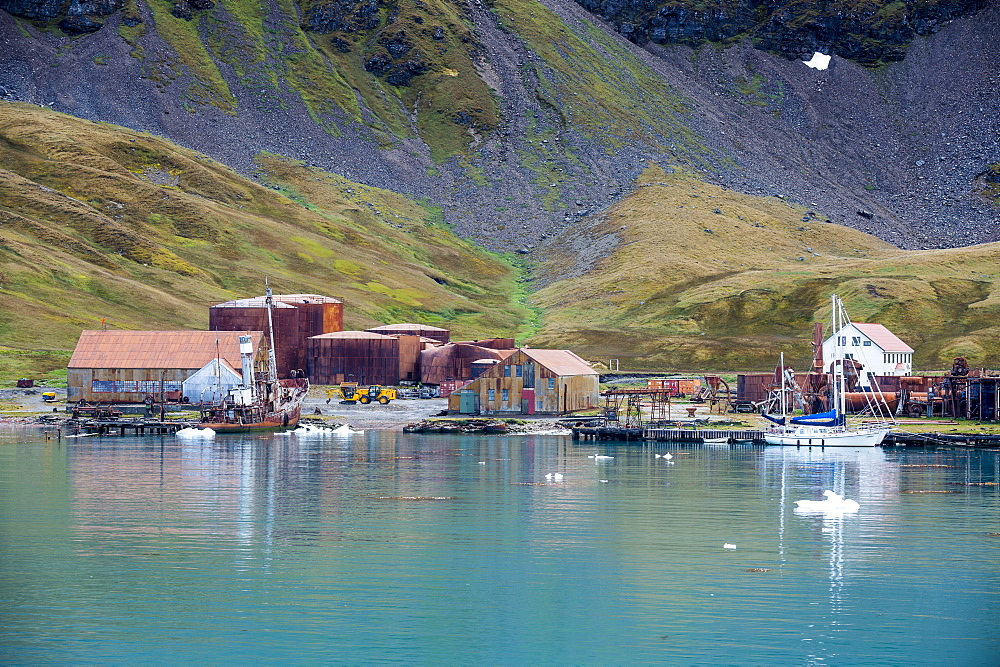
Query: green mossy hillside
(99, 222)
(697, 277)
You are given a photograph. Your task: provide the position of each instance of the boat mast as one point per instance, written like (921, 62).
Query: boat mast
(838, 360)
(272, 364)
(781, 365)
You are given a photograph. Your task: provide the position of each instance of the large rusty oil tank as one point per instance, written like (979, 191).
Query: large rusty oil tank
(353, 356)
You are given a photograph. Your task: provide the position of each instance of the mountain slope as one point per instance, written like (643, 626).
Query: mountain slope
(508, 113)
(98, 222)
(686, 275)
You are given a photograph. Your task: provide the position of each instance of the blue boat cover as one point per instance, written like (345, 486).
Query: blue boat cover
(830, 418)
(780, 421)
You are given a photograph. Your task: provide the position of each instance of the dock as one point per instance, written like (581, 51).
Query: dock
(129, 426)
(664, 434)
(746, 436)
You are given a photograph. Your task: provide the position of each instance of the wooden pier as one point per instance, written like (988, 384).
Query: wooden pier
(664, 434)
(128, 426)
(744, 436)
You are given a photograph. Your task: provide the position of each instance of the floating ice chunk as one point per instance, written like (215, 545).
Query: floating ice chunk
(833, 504)
(190, 432)
(727, 545)
(818, 61)
(554, 476)
(665, 457)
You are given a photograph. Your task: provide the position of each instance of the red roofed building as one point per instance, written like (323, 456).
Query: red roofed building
(129, 366)
(879, 350)
(531, 382)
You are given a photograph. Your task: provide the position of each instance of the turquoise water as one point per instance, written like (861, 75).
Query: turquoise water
(385, 547)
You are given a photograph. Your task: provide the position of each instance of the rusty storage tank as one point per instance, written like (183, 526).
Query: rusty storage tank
(492, 343)
(353, 356)
(480, 366)
(251, 315)
(317, 314)
(753, 386)
(859, 401)
(408, 329)
(454, 361)
(410, 347)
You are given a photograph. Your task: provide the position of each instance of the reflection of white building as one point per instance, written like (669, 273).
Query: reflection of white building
(877, 348)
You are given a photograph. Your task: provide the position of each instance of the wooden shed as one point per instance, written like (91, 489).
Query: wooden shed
(297, 318)
(129, 366)
(406, 328)
(353, 356)
(531, 382)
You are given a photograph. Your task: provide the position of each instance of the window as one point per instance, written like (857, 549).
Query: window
(538, 405)
(506, 371)
(855, 340)
(552, 383)
(491, 394)
(867, 343)
(518, 370)
(133, 386)
(842, 340)
(505, 394)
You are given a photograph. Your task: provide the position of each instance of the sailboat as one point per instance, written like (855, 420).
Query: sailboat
(830, 428)
(262, 401)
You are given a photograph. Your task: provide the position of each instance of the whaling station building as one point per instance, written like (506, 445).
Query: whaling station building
(135, 366)
(530, 382)
(880, 351)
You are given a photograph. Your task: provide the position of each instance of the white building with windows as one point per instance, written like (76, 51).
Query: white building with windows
(879, 350)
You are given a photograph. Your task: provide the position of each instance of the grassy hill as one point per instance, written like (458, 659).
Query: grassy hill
(686, 275)
(99, 222)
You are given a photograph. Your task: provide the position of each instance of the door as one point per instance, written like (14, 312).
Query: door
(467, 402)
(527, 401)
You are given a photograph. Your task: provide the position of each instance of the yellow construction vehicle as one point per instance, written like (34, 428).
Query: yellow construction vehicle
(351, 393)
(377, 392)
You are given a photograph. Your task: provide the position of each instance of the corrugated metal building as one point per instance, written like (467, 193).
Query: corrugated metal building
(297, 318)
(212, 382)
(353, 356)
(454, 361)
(128, 366)
(408, 329)
(531, 382)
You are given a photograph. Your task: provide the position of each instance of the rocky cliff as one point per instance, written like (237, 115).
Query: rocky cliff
(866, 32)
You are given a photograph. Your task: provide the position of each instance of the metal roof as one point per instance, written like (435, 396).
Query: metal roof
(407, 326)
(560, 362)
(158, 349)
(882, 337)
(354, 335)
(305, 298)
(252, 302)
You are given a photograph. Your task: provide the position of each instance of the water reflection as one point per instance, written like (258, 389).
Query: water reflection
(421, 548)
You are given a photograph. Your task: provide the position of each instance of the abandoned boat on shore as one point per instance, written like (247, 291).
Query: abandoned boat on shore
(261, 401)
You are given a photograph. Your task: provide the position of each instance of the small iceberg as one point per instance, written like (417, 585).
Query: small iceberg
(727, 545)
(194, 433)
(313, 431)
(665, 457)
(600, 457)
(832, 504)
(819, 61)
(554, 476)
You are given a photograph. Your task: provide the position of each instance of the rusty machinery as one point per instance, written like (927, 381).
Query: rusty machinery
(629, 407)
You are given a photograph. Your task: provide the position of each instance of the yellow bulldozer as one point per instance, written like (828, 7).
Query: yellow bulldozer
(350, 393)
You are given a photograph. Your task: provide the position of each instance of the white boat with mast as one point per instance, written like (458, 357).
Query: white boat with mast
(830, 428)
